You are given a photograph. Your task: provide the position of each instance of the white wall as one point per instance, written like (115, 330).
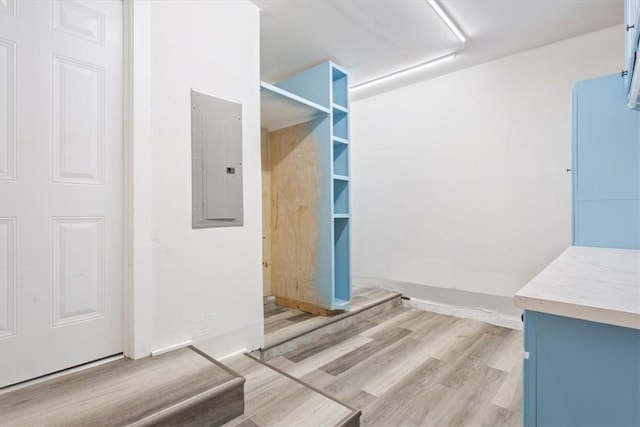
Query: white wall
(207, 283)
(461, 181)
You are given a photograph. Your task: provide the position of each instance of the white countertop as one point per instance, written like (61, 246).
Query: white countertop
(597, 284)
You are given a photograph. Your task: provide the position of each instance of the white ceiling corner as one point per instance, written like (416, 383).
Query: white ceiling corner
(372, 38)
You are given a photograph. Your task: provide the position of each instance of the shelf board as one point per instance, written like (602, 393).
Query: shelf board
(341, 177)
(339, 108)
(341, 216)
(337, 72)
(280, 108)
(340, 140)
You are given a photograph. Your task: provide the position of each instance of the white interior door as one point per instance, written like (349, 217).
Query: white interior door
(61, 160)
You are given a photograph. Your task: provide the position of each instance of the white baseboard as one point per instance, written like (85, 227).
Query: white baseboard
(494, 309)
(474, 313)
(232, 355)
(171, 348)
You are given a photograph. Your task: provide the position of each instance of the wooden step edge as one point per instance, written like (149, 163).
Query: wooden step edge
(351, 420)
(216, 362)
(237, 381)
(338, 318)
(189, 403)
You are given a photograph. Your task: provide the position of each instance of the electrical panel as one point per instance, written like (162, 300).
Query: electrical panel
(216, 147)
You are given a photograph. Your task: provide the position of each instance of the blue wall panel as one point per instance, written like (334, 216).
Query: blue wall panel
(324, 272)
(606, 165)
(313, 84)
(621, 229)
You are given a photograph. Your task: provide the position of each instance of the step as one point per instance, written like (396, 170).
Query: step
(183, 387)
(366, 303)
(275, 398)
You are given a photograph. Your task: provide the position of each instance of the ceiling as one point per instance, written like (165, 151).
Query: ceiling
(373, 38)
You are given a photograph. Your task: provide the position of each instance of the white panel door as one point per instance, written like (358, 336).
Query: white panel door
(61, 218)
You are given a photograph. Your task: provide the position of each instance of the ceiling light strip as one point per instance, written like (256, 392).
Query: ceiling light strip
(399, 73)
(447, 20)
(404, 71)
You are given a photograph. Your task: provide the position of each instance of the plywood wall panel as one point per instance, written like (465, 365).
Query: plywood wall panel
(295, 183)
(266, 212)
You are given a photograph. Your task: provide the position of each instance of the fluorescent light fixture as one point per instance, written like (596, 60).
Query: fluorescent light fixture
(445, 18)
(403, 72)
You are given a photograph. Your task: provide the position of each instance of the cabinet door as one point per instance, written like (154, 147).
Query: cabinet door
(580, 373)
(606, 165)
(529, 388)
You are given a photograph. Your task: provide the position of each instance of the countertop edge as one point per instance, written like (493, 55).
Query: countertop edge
(577, 311)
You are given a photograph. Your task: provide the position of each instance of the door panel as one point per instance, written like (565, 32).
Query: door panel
(7, 109)
(61, 219)
(78, 121)
(7, 277)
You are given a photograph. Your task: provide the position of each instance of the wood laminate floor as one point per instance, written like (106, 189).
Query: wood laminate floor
(273, 399)
(117, 393)
(408, 367)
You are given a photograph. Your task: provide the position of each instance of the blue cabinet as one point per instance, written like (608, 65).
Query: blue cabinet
(580, 373)
(606, 165)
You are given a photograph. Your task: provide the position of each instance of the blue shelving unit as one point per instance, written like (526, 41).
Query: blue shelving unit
(341, 168)
(321, 94)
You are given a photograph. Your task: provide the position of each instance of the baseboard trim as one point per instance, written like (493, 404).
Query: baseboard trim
(487, 316)
(172, 347)
(232, 355)
(494, 309)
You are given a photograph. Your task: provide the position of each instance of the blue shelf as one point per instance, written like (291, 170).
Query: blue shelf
(340, 140)
(339, 108)
(339, 86)
(340, 177)
(340, 124)
(340, 197)
(280, 108)
(340, 160)
(342, 261)
(313, 84)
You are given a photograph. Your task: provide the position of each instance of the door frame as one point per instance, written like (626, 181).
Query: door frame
(137, 191)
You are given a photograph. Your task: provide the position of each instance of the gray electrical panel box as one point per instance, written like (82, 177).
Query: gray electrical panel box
(216, 165)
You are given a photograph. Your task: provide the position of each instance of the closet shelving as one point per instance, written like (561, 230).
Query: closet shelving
(307, 121)
(340, 150)
(280, 108)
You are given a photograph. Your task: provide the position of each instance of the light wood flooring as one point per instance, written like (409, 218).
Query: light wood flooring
(161, 390)
(273, 399)
(408, 367)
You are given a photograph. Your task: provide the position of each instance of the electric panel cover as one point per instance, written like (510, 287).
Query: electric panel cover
(216, 145)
